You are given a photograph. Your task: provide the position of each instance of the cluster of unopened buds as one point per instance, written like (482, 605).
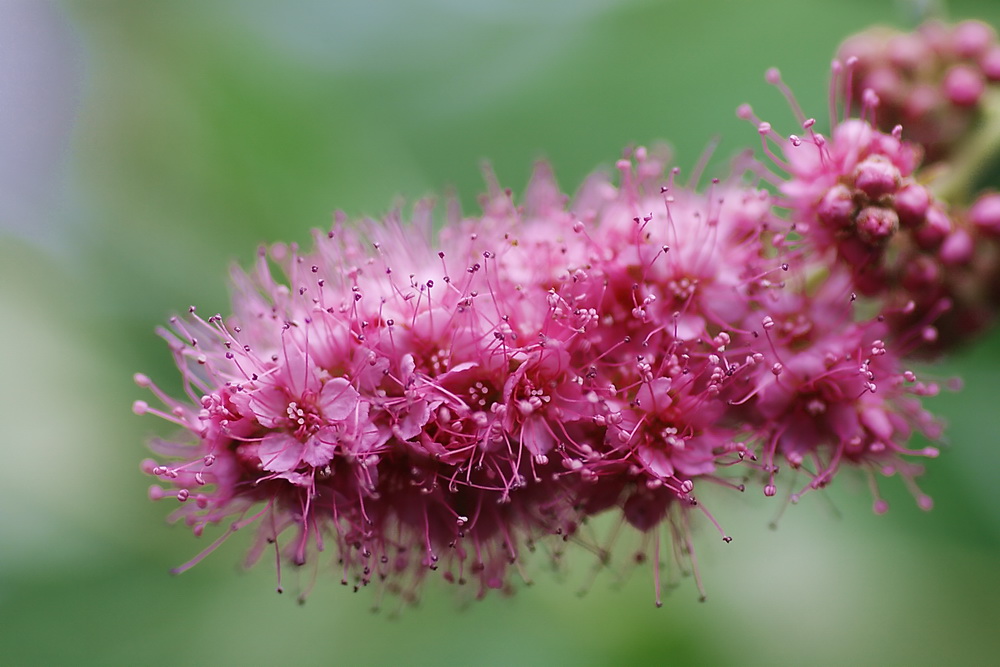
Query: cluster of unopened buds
(399, 401)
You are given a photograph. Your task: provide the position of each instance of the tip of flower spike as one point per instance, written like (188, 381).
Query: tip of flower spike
(140, 407)
(744, 111)
(142, 380)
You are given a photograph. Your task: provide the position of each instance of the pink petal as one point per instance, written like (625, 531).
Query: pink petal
(843, 421)
(296, 478)
(654, 396)
(696, 458)
(657, 461)
(270, 406)
(298, 372)
(877, 421)
(406, 367)
(279, 452)
(371, 437)
(338, 399)
(413, 422)
(320, 448)
(535, 436)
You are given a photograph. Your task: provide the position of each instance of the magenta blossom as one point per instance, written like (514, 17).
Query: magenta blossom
(413, 402)
(843, 400)
(424, 402)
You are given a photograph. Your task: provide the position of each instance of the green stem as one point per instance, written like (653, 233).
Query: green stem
(956, 181)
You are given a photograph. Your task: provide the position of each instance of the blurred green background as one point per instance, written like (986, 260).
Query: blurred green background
(144, 146)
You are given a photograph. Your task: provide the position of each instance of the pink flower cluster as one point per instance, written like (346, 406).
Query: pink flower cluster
(932, 81)
(919, 237)
(399, 401)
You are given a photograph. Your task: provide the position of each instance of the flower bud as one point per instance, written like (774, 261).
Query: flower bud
(963, 86)
(985, 214)
(934, 230)
(911, 204)
(837, 207)
(877, 176)
(875, 224)
(957, 248)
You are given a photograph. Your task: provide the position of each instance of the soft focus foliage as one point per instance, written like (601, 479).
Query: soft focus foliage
(202, 131)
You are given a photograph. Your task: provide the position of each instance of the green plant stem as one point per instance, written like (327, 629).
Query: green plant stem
(959, 181)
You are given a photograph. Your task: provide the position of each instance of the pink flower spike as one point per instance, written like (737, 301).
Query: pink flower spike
(438, 393)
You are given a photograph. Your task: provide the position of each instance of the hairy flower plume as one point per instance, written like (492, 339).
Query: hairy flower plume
(442, 401)
(398, 401)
